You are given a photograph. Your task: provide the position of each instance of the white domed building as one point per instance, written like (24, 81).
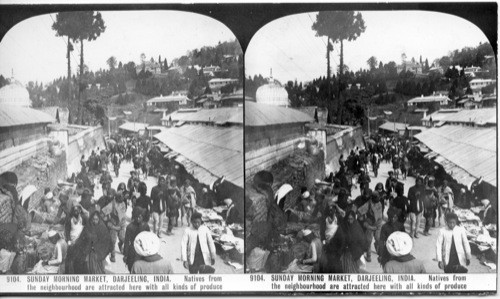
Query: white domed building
(272, 94)
(15, 94)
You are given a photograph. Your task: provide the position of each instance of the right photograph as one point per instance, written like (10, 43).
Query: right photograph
(370, 145)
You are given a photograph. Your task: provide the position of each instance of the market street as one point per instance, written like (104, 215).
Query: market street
(170, 248)
(424, 248)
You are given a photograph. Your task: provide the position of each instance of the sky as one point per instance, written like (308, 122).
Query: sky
(289, 45)
(32, 51)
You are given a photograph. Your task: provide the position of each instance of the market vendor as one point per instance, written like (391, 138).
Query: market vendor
(315, 251)
(60, 250)
(303, 208)
(232, 214)
(490, 212)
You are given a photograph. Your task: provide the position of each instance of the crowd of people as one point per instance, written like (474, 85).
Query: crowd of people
(97, 219)
(349, 225)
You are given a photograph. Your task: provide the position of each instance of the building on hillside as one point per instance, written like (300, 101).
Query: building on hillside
(467, 154)
(436, 69)
(133, 129)
(477, 84)
(234, 99)
(216, 84)
(58, 113)
(472, 70)
(149, 66)
(15, 94)
(429, 101)
(211, 70)
(171, 102)
(413, 67)
(485, 117)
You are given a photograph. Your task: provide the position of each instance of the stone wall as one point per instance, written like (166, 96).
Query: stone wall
(337, 144)
(267, 145)
(83, 143)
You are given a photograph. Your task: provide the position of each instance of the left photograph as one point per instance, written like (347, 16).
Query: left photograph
(121, 144)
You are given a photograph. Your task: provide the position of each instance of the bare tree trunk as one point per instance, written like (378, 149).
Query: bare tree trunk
(341, 71)
(69, 73)
(80, 85)
(328, 59)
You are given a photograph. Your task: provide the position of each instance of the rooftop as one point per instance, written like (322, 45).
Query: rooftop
(267, 115)
(133, 127)
(11, 116)
(170, 98)
(214, 151)
(477, 116)
(471, 149)
(393, 127)
(427, 99)
(222, 115)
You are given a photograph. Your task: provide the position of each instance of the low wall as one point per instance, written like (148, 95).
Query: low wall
(16, 155)
(83, 143)
(266, 157)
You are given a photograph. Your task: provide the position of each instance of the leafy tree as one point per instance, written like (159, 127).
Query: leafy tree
(111, 62)
(372, 63)
(90, 26)
(339, 26)
(66, 25)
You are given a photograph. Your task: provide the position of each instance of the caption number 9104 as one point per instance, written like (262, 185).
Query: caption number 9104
(256, 277)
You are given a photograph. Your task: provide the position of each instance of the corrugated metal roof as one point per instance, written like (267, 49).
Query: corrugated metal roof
(471, 149)
(218, 150)
(133, 127)
(429, 99)
(218, 115)
(170, 98)
(257, 115)
(483, 115)
(11, 116)
(393, 127)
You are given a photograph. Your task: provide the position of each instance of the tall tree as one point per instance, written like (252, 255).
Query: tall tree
(339, 26)
(65, 25)
(111, 62)
(372, 62)
(90, 27)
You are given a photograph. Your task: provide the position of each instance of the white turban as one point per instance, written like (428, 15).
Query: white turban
(399, 244)
(26, 193)
(146, 244)
(306, 194)
(49, 195)
(283, 191)
(307, 232)
(52, 233)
